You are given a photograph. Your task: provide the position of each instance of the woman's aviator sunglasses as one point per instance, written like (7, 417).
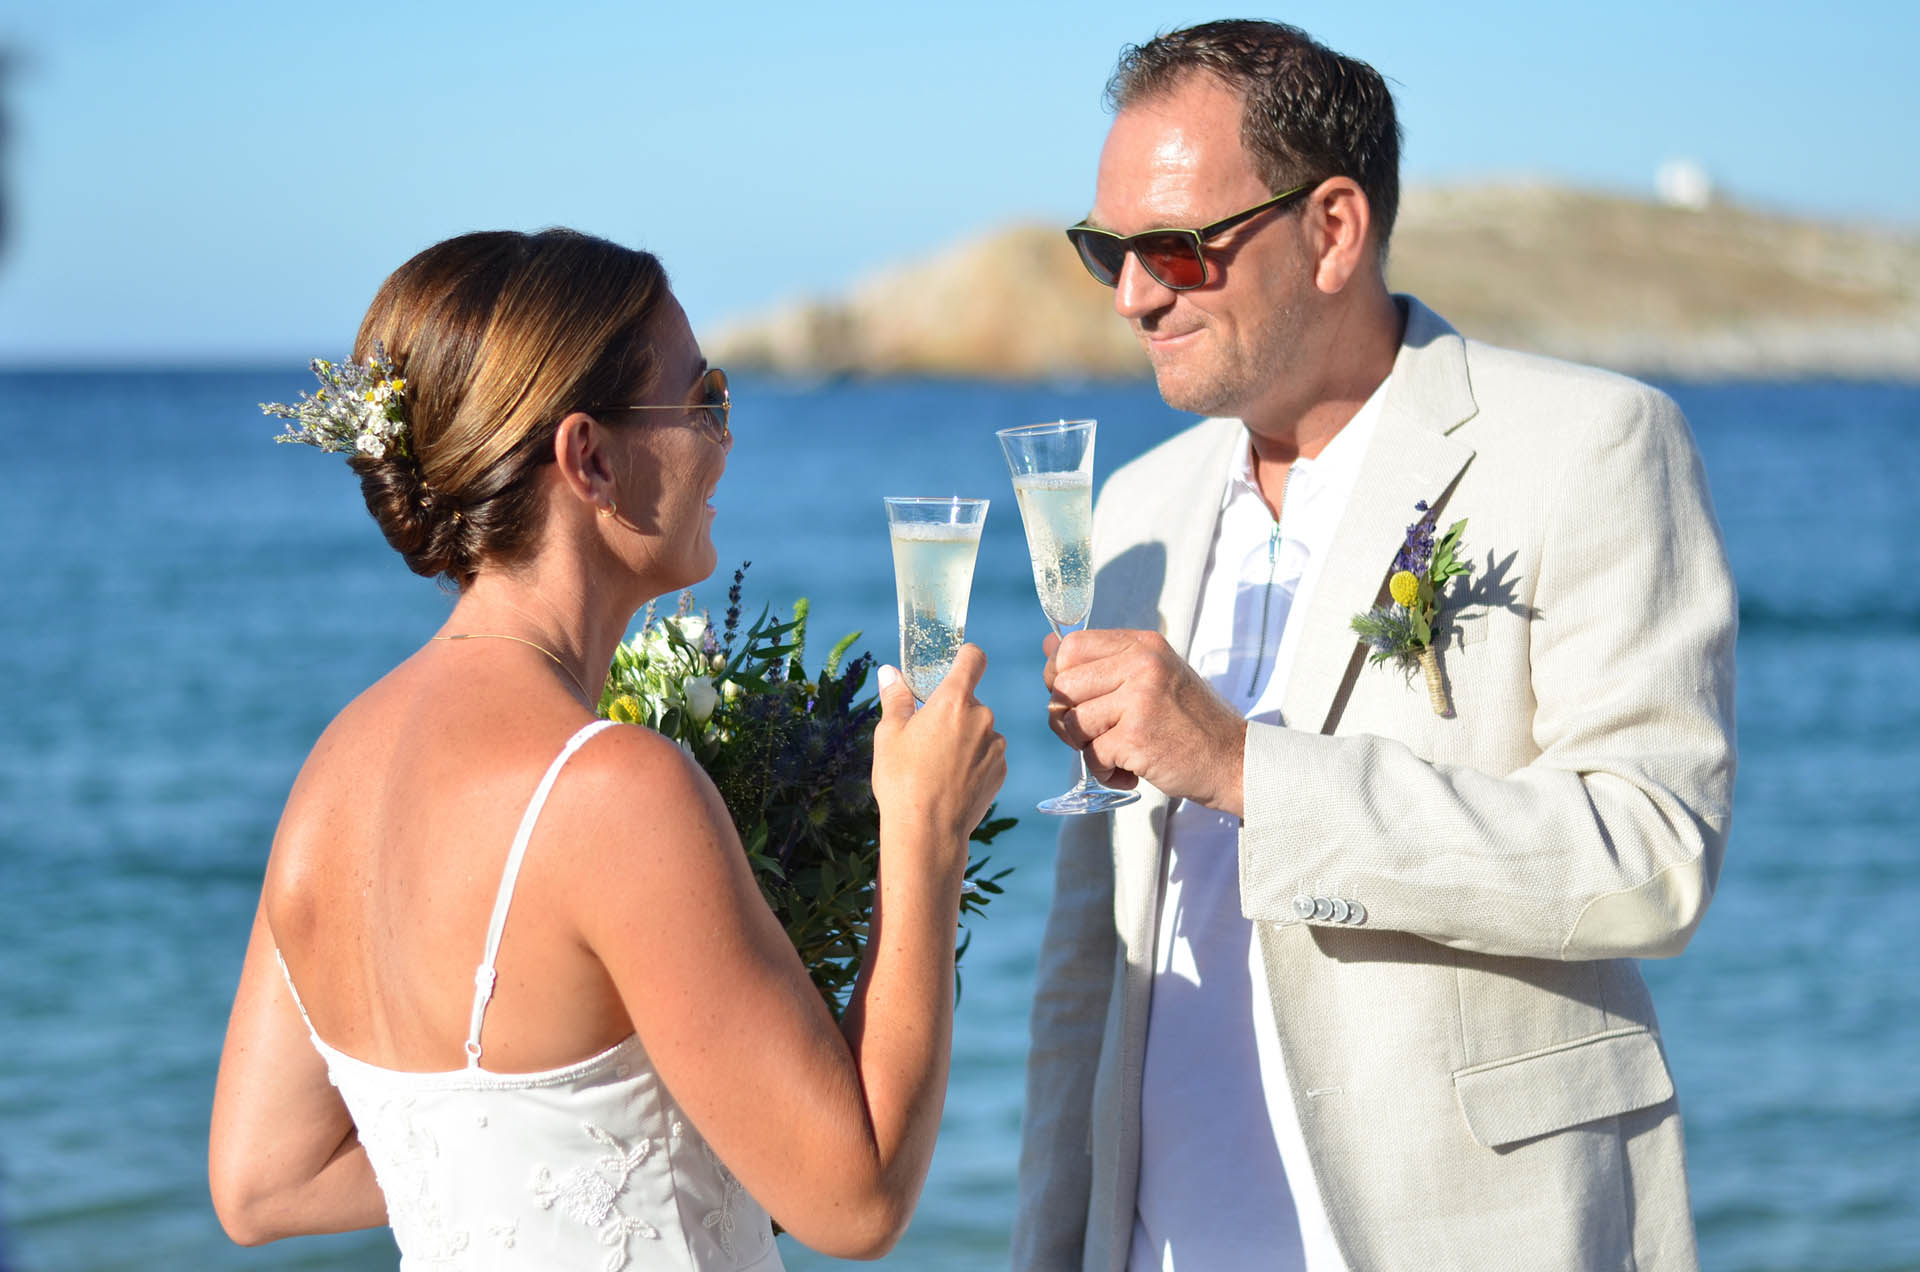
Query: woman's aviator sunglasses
(712, 411)
(1176, 259)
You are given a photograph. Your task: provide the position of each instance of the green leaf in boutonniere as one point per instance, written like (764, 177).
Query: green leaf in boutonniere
(1402, 629)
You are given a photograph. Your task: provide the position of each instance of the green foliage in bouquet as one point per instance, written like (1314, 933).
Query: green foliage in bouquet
(791, 756)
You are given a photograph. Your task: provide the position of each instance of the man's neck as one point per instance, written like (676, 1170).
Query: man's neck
(1368, 344)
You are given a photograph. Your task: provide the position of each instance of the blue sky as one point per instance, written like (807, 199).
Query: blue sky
(211, 183)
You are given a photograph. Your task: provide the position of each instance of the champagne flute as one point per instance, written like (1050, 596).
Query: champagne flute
(935, 542)
(1053, 483)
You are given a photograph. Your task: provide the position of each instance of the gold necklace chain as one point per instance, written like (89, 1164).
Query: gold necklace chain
(521, 640)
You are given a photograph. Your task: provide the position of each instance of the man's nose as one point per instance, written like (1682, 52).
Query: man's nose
(1136, 293)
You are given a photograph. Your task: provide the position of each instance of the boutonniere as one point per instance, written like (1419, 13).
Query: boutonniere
(1402, 629)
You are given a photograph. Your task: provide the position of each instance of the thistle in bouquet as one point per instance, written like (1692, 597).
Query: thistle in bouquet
(792, 755)
(1402, 629)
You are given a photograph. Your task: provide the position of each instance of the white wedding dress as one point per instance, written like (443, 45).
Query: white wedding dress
(591, 1166)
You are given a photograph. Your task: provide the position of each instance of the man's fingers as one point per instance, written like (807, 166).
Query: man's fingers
(1096, 679)
(1098, 642)
(1079, 723)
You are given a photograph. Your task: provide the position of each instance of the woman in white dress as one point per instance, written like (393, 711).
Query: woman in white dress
(511, 986)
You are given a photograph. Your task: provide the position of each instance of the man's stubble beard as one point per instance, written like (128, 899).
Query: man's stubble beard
(1239, 376)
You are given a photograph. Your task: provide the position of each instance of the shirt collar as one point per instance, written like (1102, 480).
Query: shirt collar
(1336, 467)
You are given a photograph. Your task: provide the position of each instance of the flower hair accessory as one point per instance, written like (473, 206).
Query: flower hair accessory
(359, 410)
(1403, 628)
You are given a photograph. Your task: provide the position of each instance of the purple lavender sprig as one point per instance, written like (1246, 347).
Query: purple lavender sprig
(1416, 554)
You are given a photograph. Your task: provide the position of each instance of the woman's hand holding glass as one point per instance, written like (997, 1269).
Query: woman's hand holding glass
(937, 767)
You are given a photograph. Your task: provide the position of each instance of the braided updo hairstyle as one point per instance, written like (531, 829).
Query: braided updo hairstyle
(499, 335)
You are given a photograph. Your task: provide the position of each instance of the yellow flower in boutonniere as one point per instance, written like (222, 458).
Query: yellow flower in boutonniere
(1404, 587)
(1403, 629)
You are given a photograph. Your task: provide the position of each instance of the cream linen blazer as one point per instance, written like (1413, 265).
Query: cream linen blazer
(1449, 909)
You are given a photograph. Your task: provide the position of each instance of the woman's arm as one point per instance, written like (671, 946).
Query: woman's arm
(283, 1158)
(830, 1128)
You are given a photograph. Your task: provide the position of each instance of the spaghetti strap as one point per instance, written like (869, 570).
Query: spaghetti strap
(483, 976)
(287, 976)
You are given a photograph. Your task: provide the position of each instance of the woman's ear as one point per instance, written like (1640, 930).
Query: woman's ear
(580, 452)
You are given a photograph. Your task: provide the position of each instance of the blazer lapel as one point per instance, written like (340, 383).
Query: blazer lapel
(1191, 517)
(1185, 518)
(1412, 457)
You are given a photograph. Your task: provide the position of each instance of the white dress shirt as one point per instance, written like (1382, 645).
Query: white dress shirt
(1224, 1176)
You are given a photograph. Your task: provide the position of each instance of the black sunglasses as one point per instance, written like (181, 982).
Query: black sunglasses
(1175, 259)
(714, 409)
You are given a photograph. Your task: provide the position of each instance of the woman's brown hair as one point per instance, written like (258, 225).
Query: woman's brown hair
(498, 335)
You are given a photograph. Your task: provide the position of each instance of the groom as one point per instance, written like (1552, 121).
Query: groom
(1353, 986)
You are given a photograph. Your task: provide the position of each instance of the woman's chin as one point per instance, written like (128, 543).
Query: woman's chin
(700, 568)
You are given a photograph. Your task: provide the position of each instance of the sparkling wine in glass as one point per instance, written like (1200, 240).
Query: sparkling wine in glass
(1053, 482)
(935, 542)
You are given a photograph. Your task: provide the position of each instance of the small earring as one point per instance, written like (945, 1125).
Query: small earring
(611, 509)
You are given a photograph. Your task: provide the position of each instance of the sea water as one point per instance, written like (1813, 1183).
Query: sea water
(183, 606)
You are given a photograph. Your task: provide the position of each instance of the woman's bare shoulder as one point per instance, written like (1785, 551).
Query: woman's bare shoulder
(630, 794)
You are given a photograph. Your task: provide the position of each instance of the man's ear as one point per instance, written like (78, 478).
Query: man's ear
(580, 452)
(1341, 221)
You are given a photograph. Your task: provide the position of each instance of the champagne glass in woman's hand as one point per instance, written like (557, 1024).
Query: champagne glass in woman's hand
(934, 545)
(1053, 481)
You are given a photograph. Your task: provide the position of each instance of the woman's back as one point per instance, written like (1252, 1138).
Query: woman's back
(480, 1166)
(388, 862)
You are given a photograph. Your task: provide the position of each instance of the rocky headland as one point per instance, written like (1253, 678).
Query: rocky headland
(1649, 288)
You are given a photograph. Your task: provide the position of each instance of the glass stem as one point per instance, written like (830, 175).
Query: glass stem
(1080, 753)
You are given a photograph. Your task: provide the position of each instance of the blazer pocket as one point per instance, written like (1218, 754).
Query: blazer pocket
(1524, 1096)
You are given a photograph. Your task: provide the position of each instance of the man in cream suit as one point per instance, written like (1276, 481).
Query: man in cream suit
(1353, 985)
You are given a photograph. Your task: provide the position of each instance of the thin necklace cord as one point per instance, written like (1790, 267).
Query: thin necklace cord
(521, 640)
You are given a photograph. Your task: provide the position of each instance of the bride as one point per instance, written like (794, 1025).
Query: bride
(511, 987)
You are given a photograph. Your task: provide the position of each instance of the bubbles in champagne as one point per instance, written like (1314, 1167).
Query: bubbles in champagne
(1057, 510)
(933, 578)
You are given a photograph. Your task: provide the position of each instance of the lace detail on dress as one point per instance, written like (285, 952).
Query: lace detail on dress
(720, 1222)
(403, 1154)
(588, 1194)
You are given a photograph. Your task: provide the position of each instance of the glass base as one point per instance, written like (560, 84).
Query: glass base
(1087, 797)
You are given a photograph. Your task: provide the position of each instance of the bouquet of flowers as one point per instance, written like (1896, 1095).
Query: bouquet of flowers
(791, 756)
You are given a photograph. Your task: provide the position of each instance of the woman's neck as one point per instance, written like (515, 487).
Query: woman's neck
(563, 612)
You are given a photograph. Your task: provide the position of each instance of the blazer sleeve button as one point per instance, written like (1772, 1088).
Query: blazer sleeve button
(1303, 906)
(1356, 913)
(1322, 909)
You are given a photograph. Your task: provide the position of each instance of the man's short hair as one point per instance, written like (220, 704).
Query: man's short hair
(1308, 113)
